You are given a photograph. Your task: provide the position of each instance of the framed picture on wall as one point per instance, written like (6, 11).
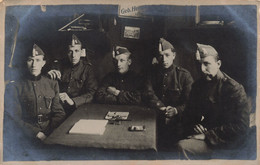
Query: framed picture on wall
(131, 32)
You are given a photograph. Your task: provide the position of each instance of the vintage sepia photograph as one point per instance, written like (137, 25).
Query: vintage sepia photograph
(129, 81)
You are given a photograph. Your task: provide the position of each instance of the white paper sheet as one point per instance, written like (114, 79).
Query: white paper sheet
(84, 126)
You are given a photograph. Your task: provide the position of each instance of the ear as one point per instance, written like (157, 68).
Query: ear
(43, 63)
(155, 61)
(219, 63)
(174, 55)
(129, 61)
(83, 53)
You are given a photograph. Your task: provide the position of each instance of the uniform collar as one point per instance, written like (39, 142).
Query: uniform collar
(123, 75)
(34, 78)
(76, 65)
(166, 70)
(218, 76)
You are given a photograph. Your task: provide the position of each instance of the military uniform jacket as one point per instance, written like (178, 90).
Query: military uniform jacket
(78, 82)
(221, 106)
(33, 104)
(168, 87)
(130, 85)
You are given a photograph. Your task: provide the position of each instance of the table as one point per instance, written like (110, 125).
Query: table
(115, 136)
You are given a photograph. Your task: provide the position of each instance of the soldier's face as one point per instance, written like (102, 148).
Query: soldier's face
(166, 58)
(209, 67)
(35, 64)
(122, 63)
(74, 54)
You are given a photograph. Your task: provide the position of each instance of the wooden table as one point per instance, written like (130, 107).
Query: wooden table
(115, 136)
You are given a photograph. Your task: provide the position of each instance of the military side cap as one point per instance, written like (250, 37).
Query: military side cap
(164, 45)
(37, 51)
(206, 50)
(75, 40)
(120, 50)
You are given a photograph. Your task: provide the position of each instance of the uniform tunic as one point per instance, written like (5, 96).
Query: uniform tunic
(130, 85)
(33, 103)
(78, 82)
(221, 106)
(168, 87)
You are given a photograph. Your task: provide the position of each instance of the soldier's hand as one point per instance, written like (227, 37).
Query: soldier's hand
(65, 98)
(113, 90)
(170, 111)
(199, 129)
(162, 109)
(41, 136)
(54, 74)
(198, 136)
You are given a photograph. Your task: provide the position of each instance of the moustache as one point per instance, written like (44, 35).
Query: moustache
(209, 75)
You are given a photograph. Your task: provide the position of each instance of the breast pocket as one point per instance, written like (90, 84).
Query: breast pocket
(27, 103)
(174, 94)
(27, 100)
(79, 83)
(48, 101)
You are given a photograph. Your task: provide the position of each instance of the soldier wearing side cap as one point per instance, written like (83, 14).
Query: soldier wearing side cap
(217, 114)
(77, 80)
(33, 102)
(167, 89)
(122, 86)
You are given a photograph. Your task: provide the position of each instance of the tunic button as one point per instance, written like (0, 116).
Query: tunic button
(122, 80)
(163, 95)
(40, 96)
(68, 87)
(40, 107)
(166, 75)
(34, 85)
(164, 85)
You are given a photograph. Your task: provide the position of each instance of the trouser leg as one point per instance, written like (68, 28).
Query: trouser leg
(168, 134)
(194, 149)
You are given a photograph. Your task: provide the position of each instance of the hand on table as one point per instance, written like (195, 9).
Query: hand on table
(54, 74)
(170, 111)
(65, 98)
(41, 136)
(113, 90)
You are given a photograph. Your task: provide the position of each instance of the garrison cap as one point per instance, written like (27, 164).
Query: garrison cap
(75, 41)
(206, 50)
(164, 45)
(37, 51)
(120, 50)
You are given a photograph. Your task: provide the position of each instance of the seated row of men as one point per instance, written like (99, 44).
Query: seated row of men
(211, 112)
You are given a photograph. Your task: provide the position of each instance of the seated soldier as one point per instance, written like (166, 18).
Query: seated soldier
(33, 102)
(217, 114)
(167, 90)
(77, 80)
(123, 86)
